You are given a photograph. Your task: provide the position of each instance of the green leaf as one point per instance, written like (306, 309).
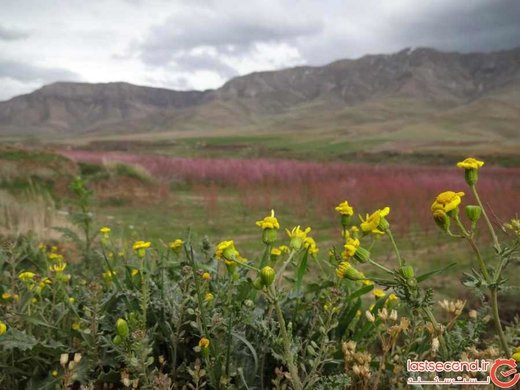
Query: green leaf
(250, 346)
(428, 275)
(15, 339)
(362, 291)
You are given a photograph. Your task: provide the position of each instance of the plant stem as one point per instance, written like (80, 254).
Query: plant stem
(382, 267)
(287, 353)
(437, 327)
(496, 318)
(396, 249)
(488, 222)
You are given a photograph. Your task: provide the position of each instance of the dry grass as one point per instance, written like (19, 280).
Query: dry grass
(33, 212)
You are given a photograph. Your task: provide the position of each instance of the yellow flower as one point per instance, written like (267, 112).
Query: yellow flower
(176, 244)
(206, 276)
(54, 373)
(345, 209)
(470, 163)
(75, 325)
(269, 222)
(141, 245)
(371, 223)
(276, 252)
(378, 293)
(108, 275)
(53, 256)
(367, 282)
(345, 270)
(6, 296)
(42, 247)
(72, 300)
(204, 343)
(134, 272)
(26, 276)
(297, 236)
(447, 201)
(392, 298)
(209, 297)
(284, 248)
(3, 328)
(60, 267)
(226, 250)
(105, 230)
(350, 247)
(311, 246)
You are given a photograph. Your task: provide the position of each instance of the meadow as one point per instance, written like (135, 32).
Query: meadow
(133, 270)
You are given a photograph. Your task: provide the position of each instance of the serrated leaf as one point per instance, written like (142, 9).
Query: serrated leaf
(15, 339)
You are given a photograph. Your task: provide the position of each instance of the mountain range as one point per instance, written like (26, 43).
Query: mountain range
(415, 95)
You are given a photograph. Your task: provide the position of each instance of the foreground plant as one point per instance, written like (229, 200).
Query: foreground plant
(179, 314)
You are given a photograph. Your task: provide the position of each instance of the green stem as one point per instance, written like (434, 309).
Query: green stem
(496, 319)
(287, 353)
(382, 267)
(437, 327)
(396, 249)
(204, 324)
(282, 268)
(488, 222)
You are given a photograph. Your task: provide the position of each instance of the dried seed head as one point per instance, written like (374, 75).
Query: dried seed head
(435, 345)
(370, 317)
(473, 314)
(393, 315)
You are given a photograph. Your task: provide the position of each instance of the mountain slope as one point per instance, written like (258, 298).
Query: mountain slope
(376, 95)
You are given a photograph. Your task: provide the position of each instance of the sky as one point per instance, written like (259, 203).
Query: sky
(200, 44)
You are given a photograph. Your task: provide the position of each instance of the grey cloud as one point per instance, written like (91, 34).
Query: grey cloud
(193, 62)
(9, 34)
(466, 26)
(226, 31)
(26, 72)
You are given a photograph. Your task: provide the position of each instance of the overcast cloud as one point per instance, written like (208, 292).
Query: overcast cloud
(200, 44)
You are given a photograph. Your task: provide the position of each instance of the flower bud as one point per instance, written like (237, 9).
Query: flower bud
(362, 255)
(471, 176)
(441, 219)
(383, 224)
(64, 359)
(117, 340)
(269, 236)
(267, 274)
(345, 220)
(407, 271)
(122, 328)
(473, 213)
(412, 282)
(353, 274)
(258, 284)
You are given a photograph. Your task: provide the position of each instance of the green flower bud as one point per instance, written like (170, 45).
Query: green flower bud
(441, 219)
(471, 176)
(407, 272)
(383, 224)
(117, 340)
(122, 328)
(362, 255)
(258, 284)
(269, 236)
(345, 220)
(473, 212)
(267, 274)
(412, 282)
(353, 274)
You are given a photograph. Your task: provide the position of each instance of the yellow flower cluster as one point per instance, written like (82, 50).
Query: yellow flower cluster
(269, 222)
(375, 222)
(447, 201)
(176, 244)
(345, 209)
(470, 163)
(310, 245)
